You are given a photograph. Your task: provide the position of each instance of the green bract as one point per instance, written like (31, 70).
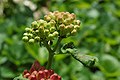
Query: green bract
(55, 24)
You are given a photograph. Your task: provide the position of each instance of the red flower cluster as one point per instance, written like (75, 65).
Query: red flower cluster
(38, 72)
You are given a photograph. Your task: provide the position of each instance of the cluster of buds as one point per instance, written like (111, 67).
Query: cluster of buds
(40, 73)
(55, 24)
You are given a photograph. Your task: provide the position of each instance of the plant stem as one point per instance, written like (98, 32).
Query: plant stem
(50, 58)
(58, 41)
(51, 52)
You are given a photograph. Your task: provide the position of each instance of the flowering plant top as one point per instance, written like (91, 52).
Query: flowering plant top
(55, 24)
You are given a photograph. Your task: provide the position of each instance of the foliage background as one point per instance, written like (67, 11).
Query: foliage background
(99, 36)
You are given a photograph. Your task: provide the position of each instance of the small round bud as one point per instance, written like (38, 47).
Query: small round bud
(30, 35)
(70, 27)
(31, 41)
(25, 38)
(52, 29)
(47, 18)
(73, 16)
(41, 29)
(76, 27)
(28, 29)
(54, 77)
(42, 23)
(55, 34)
(34, 24)
(62, 26)
(50, 36)
(77, 22)
(37, 38)
(25, 34)
(36, 31)
(73, 32)
(60, 19)
(46, 31)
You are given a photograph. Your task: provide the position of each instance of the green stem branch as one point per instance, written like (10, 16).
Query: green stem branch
(58, 42)
(51, 51)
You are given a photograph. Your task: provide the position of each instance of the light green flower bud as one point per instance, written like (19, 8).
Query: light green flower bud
(41, 32)
(28, 29)
(48, 25)
(30, 35)
(72, 16)
(47, 18)
(73, 32)
(41, 29)
(42, 22)
(36, 31)
(25, 38)
(25, 34)
(31, 41)
(56, 12)
(52, 29)
(77, 22)
(51, 15)
(60, 19)
(62, 26)
(76, 27)
(46, 31)
(34, 24)
(65, 15)
(70, 27)
(37, 38)
(68, 21)
(55, 33)
(50, 36)
(52, 23)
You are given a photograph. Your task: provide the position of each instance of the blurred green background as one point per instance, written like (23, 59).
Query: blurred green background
(99, 36)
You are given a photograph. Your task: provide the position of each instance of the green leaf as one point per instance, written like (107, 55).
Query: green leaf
(86, 60)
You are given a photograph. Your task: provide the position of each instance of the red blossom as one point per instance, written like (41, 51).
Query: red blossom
(38, 72)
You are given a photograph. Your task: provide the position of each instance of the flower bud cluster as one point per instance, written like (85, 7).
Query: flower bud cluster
(55, 24)
(40, 73)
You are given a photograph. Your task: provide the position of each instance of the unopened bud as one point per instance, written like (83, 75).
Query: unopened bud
(31, 40)
(46, 73)
(70, 28)
(73, 32)
(52, 29)
(62, 26)
(54, 77)
(40, 75)
(34, 24)
(30, 35)
(60, 19)
(41, 29)
(34, 73)
(73, 16)
(76, 27)
(37, 31)
(55, 33)
(25, 34)
(37, 38)
(47, 18)
(46, 31)
(25, 38)
(50, 36)
(28, 29)
(77, 22)
(32, 77)
(26, 75)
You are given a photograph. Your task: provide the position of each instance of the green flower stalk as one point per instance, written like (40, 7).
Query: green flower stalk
(55, 25)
